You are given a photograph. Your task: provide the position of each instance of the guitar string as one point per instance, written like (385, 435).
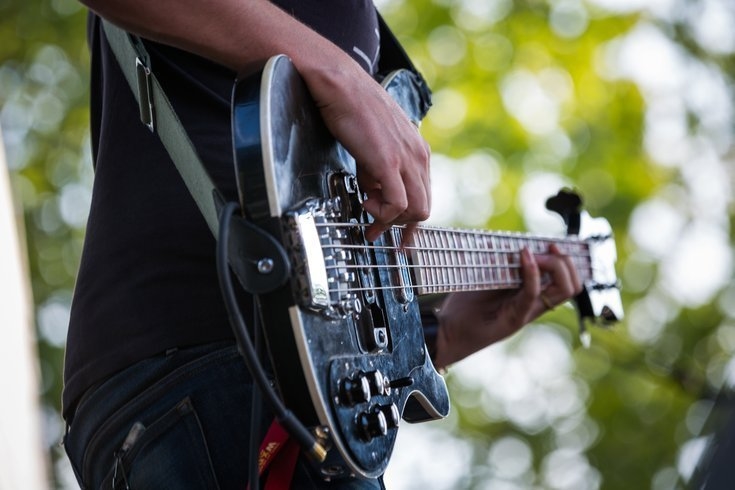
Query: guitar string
(446, 286)
(481, 272)
(459, 231)
(574, 243)
(501, 276)
(439, 287)
(511, 280)
(511, 266)
(478, 257)
(426, 227)
(495, 273)
(435, 288)
(493, 283)
(581, 264)
(578, 259)
(396, 248)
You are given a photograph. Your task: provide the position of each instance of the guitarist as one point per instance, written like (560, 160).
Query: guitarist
(156, 395)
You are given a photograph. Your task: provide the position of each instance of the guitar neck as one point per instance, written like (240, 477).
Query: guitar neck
(451, 260)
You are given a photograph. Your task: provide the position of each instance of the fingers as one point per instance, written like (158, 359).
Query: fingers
(531, 275)
(564, 281)
(401, 194)
(560, 283)
(523, 306)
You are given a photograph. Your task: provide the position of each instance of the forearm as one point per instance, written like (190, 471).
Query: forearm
(237, 34)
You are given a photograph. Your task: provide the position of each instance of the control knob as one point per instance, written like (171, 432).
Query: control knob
(354, 390)
(372, 424)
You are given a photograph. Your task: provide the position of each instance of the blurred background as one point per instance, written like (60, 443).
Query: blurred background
(628, 101)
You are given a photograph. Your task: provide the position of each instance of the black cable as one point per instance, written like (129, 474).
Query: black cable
(244, 344)
(255, 409)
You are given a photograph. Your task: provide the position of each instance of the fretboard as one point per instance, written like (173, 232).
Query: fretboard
(450, 260)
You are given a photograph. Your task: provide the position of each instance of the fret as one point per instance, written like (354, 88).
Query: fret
(524, 242)
(540, 246)
(441, 252)
(506, 261)
(503, 261)
(512, 260)
(478, 269)
(465, 274)
(419, 255)
(429, 262)
(462, 261)
(470, 245)
(543, 246)
(426, 255)
(469, 259)
(497, 262)
(440, 249)
(477, 262)
(514, 271)
(476, 242)
(451, 259)
(494, 261)
(512, 255)
(485, 261)
(435, 261)
(435, 272)
(449, 271)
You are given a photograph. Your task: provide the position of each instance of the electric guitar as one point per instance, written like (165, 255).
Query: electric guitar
(344, 331)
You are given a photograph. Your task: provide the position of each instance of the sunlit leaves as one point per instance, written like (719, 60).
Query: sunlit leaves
(631, 103)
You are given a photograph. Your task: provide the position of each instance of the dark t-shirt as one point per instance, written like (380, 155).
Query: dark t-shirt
(147, 281)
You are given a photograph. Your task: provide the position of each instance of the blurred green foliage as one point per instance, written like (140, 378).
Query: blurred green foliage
(528, 85)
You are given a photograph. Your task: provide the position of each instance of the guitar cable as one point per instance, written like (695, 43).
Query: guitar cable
(283, 415)
(256, 406)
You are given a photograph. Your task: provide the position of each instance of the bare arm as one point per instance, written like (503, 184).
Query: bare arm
(391, 156)
(234, 33)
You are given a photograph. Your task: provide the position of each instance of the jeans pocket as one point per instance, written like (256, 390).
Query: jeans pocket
(170, 453)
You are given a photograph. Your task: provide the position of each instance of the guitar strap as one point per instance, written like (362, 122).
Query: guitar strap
(158, 114)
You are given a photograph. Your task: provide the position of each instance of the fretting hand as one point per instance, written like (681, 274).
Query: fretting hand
(471, 321)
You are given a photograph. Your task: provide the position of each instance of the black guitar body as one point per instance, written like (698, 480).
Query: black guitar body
(344, 335)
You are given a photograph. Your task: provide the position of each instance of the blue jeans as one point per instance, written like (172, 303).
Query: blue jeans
(177, 421)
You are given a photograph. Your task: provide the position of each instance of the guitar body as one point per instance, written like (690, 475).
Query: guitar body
(345, 339)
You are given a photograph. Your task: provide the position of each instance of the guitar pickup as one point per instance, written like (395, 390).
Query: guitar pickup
(399, 266)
